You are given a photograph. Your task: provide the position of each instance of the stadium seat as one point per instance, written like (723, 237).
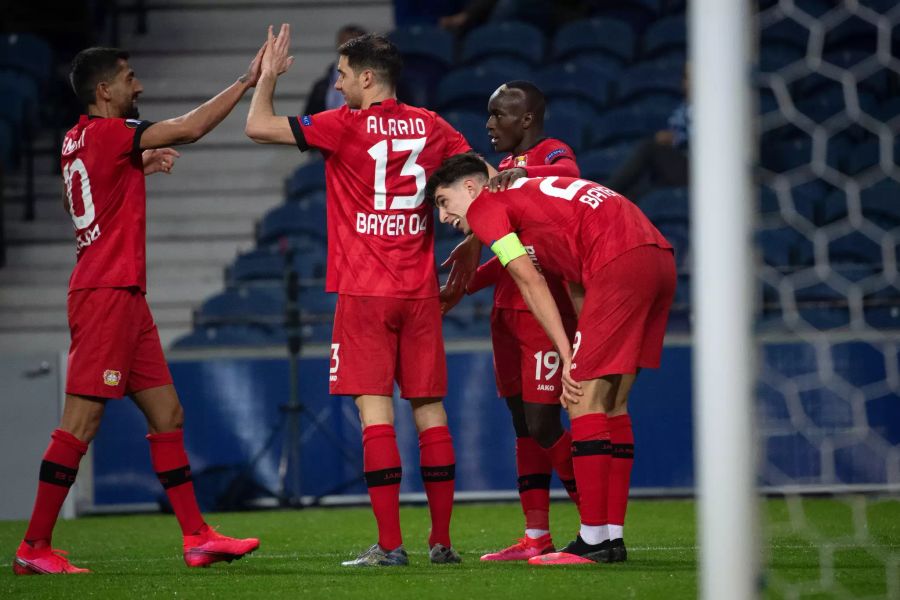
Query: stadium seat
(473, 127)
(506, 38)
(785, 247)
(568, 127)
(599, 163)
(514, 67)
(314, 300)
(646, 80)
(822, 306)
(607, 37)
(852, 34)
(665, 37)
(624, 124)
(785, 155)
(810, 200)
(292, 218)
(665, 205)
(468, 88)
(881, 309)
(773, 58)
(574, 106)
(27, 53)
(243, 305)
(419, 80)
(231, 335)
(863, 157)
(784, 32)
(268, 264)
(419, 41)
(881, 204)
(676, 232)
(306, 178)
(576, 81)
(854, 247)
(638, 14)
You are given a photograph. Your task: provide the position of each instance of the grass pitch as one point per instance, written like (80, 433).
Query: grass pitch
(139, 556)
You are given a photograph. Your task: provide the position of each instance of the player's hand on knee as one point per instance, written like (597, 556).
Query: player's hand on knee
(504, 179)
(572, 391)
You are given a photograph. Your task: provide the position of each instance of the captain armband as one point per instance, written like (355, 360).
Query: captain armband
(508, 248)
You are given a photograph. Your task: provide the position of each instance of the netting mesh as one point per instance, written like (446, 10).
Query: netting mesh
(828, 80)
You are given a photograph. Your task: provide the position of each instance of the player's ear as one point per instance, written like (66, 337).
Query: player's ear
(527, 120)
(101, 92)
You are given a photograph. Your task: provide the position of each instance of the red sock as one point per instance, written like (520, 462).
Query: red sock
(622, 438)
(439, 477)
(561, 456)
(58, 470)
(170, 462)
(381, 464)
(534, 469)
(591, 455)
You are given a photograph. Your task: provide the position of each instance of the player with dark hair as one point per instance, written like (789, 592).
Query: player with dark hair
(600, 243)
(115, 348)
(378, 153)
(526, 366)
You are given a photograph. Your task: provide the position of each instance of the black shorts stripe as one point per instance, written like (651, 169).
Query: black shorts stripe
(178, 476)
(623, 451)
(534, 481)
(591, 447)
(384, 477)
(57, 474)
(440, 473)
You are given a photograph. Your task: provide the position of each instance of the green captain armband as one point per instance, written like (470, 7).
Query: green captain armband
(508, 248)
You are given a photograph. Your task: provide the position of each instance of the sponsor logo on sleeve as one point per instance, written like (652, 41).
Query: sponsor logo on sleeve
(111, 378)
(306, 120)
(132, 123)
(521, 161)
(554, 154)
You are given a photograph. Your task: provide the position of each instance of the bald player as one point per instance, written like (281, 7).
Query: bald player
(526, 366)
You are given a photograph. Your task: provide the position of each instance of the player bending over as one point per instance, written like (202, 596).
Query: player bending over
(115, 348)
(598, 241)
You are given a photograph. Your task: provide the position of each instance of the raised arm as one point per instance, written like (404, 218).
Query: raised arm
(263, 125)
(190, 127)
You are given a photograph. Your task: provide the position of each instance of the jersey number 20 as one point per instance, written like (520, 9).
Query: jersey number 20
(84, 220)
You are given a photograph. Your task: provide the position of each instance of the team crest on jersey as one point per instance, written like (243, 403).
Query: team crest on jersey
(521, 161)
(111, 378)
(132, 123)
(306, 120)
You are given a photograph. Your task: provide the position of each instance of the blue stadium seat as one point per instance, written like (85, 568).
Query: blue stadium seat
(243, 305)
(472, 126)
(677, 234)
(638, 14)
(419, 80)
(785, 155)
(822, 306)
(505, 38)
(468, 88)
(852, 34)
(810, 200)
(13, 109)
(609, 37)
(881, 309)
(575, 80)
(573, 106)
(881, 204)
(317, 333)
(773, 58)
(513, 67)
(784, 32)
(421, 41)
(854, 247)
(268, 264)
(27, 53)
(314, 300)
(568, 127)
(624, 124)
(665, 205)
(667, 36)
(863, 157)
(650, 80)
(306, 178)
(290, 219)
(231, 335)
(888, 109)
(598, 164)
(785, 247)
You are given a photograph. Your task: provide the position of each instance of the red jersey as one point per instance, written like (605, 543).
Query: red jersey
(104, 179)
(574, 226)
(377, 160)
(547, 157)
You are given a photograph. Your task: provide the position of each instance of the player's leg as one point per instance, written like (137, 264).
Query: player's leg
(150, 386)
(422, 377)
(622, 440)
(59, 466)
(364, 351)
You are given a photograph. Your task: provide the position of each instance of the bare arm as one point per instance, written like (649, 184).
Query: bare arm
(190, 127)
(263, 125)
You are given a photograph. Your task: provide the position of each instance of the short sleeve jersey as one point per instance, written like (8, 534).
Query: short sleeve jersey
(377, 161)
(548, 151)
(104, 183)
(574, 226)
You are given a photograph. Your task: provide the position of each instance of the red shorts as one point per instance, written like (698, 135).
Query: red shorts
(623, 321)
(115, 344)
(525, 361)
(378, 340)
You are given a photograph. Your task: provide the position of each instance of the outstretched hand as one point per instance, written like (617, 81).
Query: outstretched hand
(255, 68)
(160, 160)
(275, 59)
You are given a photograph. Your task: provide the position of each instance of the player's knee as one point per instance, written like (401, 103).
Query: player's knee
(170, 420)
(545, 431)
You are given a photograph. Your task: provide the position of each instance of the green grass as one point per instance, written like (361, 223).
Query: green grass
(139, 556)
